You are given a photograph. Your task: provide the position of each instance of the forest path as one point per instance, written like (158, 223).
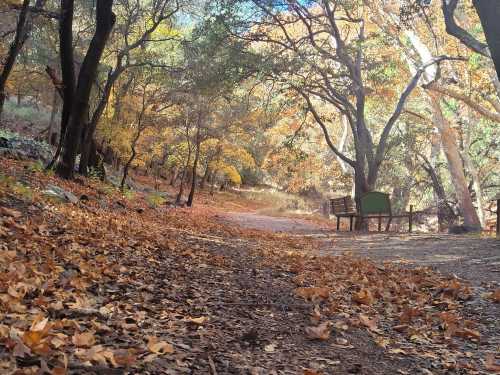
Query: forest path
(469, 257)
(255, 220)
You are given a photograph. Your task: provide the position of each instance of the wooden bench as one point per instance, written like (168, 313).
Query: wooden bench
(343, 207)
(377, 205)
(374, 204)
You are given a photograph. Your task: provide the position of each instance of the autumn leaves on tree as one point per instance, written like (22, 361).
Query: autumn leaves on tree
(356, 77)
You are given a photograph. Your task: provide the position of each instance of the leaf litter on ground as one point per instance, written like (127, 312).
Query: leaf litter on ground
(97, 285)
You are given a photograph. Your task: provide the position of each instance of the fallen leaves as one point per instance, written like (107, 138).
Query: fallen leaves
(76, 297)
(364, 297)
(84, 339)
(97, 354)
(491, 364)
(321, 332)
(10, 212)
(198, 321)
(495, 296)
(159, 347)
(313, 294)
(371, 324)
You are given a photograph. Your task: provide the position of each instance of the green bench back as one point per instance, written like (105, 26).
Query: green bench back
(375, 202)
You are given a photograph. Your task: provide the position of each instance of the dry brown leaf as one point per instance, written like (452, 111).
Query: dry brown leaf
(199, 321)
(40, 324)
(313, 293)
(364, 297)
(467, 333)
(59, 371)
(270, 348)
(20, 350)
(159, 347)
(32, 338)
(397, 351)
(10, 212)
(125, 357)
(315, 315)
(312, 372)
(371, 324)
(491, 364)
(321, 332)
(84, 339)
(495, 296)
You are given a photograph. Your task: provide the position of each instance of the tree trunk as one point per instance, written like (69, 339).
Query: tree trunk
(489, 14)
(53, 115)
(15, 47)
(173, 177)
(195, 165)
(105, 20)
(204, 179)
(130, 160)
(476, 183)
(446, 215)
(96, 117)
(67, 70)
(117, 114)
(450, 148)
(183, 177)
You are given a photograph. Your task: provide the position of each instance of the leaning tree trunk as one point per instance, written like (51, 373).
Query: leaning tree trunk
(476, 183)
(450, 148)
(130, 159)
(105, 20)
(446, 215)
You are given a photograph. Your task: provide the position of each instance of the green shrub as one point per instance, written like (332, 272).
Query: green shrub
(155, 199)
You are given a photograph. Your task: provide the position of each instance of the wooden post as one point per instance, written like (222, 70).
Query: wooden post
(410, 219)
(498, 217)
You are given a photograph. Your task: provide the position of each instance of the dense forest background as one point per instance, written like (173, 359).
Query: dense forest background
(320, 99)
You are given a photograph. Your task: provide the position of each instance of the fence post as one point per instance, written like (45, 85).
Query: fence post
(410, 219)
(498, 217)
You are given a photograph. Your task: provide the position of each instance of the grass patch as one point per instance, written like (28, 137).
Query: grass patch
(155, 199)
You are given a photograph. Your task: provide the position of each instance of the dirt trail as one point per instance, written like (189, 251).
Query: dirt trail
(253, 220)
(467, 256)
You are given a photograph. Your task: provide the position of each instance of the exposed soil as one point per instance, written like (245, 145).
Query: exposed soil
(471, 258)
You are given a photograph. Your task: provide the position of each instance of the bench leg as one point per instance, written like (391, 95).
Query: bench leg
(338, 223)
(379, 223)
(410, 219)
(387, 227)
(350, 223)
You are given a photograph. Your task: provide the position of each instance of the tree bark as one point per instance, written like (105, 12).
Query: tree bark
(131, 158)
(446, 215)
(450, 148)
(195, 163)
(489, 14)
(204, 179)
(67, 70)
(183, 177)
(53, 115)
(476, 182)
(88, 137)
(105, 20)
